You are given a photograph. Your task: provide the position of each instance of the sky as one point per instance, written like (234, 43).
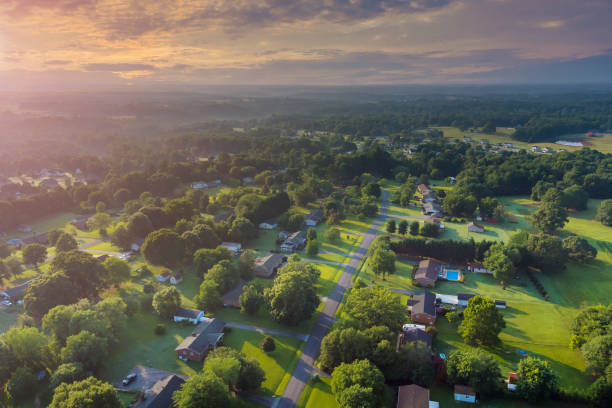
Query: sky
(74, 44)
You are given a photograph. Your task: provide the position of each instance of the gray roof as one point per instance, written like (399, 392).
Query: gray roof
(16, 291)
(424, 303)
(187, 313)
(465, 296)
(160, 395)
(204, 335)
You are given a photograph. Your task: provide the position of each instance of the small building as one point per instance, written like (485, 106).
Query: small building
(512, 381)
(135, 247)
(267, 266)
(176, 278)
(296, 241)
(199, 185)
(16, 292)
(463, 298)
(477, 267)
(431, 208)
(314, 218)
(422, 308)
(464, 393)
(548, 150)
(217, 183)
(427, 273)
(163, 277)
(232, 298)
(24, 228)
(414, 396)
(429, 197)
(233, 247)
(204, 338)
(413, 336)
(536, 149)
(268, 225)
(500, 304)
(283, 235)
(190, 315)
(484, 142)
(160, 394)
(473, 227)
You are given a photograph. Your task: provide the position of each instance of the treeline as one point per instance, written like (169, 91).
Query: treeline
(447, 249)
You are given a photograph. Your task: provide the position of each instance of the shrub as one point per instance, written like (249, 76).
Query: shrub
(148, 288)
(268, 344)
(160, 329)
(432, 331)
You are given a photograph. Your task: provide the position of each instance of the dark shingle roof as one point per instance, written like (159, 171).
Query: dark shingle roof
(160, 395)
(465, 296)
(424, 303)
(204, 335)
(414, 335)
(187, 313)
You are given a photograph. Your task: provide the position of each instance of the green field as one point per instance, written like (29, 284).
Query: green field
(317, 395)
(401, 279)
(7, 319)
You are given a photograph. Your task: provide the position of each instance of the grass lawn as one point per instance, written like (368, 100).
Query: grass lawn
(401, 279)
(265, 242)
(8, 318)
(105, 246)
(45, 224)
(329, 277)
(278, 364)
(317, 395)
(263, 319)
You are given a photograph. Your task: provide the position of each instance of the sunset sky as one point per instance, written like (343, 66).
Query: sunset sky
(91, 43)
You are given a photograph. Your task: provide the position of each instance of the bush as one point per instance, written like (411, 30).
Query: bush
(432, 331)
(148, 288)
(268, 344)
(160, 329)
(146, 303)
(144, 272)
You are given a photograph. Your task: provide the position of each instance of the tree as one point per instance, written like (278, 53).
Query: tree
(242, 230)
(246, 265)
(292, 298)
(430, 229)
(223, 274)
(481, 323)
(357, 396)
(604, 212)
(536, 379)
(382, 262)
(332, 235)
(34, 254)
(65, 243)
(476, 368)
(497, 260)
(5, 250)
(546, 252)
(86, 272)
(412, 363)
(85, 348)
(164, 247)
(579, 249)
(375, 307)
(372, 189)
(250, 300)
(414, 228)
(311, 234)
(250, 375)
(391, 226)
(28, 346)
(209, 298)
(227, 368)
(139, 225)
(99, 221)
(575, 197)
(166, 301)
(361, 373)
(66, 373)
(118, 270)
(402, 228)
(205, 258)
(203, 389)
(343, 346)
(48, 291)
(549, 217)
(598, 353)
(88, 393)
(22, 383)
(207, 237)
(177, 209)
(268, 344)
(8, 362)
(312, 247)
(121, 237)
(113, 311)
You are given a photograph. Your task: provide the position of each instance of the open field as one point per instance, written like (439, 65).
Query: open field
(401, 279)
(317, 395)
(45, 224)
(7, 319)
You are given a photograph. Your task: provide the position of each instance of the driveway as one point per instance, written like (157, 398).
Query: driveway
(146, 378)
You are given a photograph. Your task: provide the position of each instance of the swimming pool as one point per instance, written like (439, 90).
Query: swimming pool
(452, 275)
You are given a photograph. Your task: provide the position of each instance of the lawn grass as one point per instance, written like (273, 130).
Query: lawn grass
(278, 364)
(8, 319)
(105, 246)
(317, 394)
(401, 279)
(45, 224)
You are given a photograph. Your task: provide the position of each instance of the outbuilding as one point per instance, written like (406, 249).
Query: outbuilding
(190, 315)
(464, 393)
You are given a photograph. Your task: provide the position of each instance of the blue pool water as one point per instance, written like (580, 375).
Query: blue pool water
(452, 275)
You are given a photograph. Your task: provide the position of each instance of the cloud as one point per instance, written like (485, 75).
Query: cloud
(552, 24)
(122, 67)
(58, 62)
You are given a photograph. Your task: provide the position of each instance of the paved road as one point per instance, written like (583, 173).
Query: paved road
(262, 330)
(305, 367)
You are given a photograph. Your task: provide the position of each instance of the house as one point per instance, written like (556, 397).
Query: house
(500, 304)
(464, 393)
(414, 396)
(422, 308)
(452, 180)
(484, 142)
(188, 315)
(473, 227)
(463, 298)
(296, 241)
(283, 235)
(430, 208)
(24, 228)
(427, 273)
(199, 185)
(478, 268)
(163, 277)
(224, 216)
(412, 336)
(233, 247)
(429, 197)
(512, 381)
(15, 293)
(548, 150)
(101, 258)
(205, 337)
(267, 266)
(314, 218)
(176, 278)
(467, 139)
(268, 225)
(232, 298)
(160, 394)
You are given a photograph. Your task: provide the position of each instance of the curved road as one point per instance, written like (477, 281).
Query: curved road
(305, 367)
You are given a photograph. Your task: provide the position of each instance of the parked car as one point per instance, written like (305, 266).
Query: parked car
(6, 302)
(129, 379)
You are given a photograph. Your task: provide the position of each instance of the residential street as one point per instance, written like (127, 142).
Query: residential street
(305, 367)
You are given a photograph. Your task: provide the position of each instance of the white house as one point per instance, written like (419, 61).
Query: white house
(464, 393)
(233, 247)
(176, 278)
(478, 268)
(191, 315)
(199, 185)
(500, 304)
(163, 277)
(268, 225)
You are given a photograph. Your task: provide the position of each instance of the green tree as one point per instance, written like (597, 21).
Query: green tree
(88, 393)
(209, 298)
(430, 229)
(205, 258)
(476, 368)
(382, 262)
(85, 348)
(575, 197)
(536, 379)
(86, 272)
(34, 254)
(481, 323)
(250, 376)
(118, 270)
(28, 346)
(121, 237)
(203, 389)
(332, 235)
(604, 212)
(357, 396)
(579, 249)
(250, 300)
(22, 383)
(343, 346)
(223, 274)
(312, 247)
(8, 362)
(164, 247)
(48, 291)
(268, 344)
(391, 226)
(113, 311)
(598, 353)
(546, 252)
(497, 260)
(550, 217)
(311, 234)
(166, 301)
(362, 373)
(402, 228)
(246, 265)
(242, 230)
(66, 373)
(227, 368)
(65, 243)
(414, 228)
(375, 307)
(292, 298)
(99, 221)
(139, 225)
